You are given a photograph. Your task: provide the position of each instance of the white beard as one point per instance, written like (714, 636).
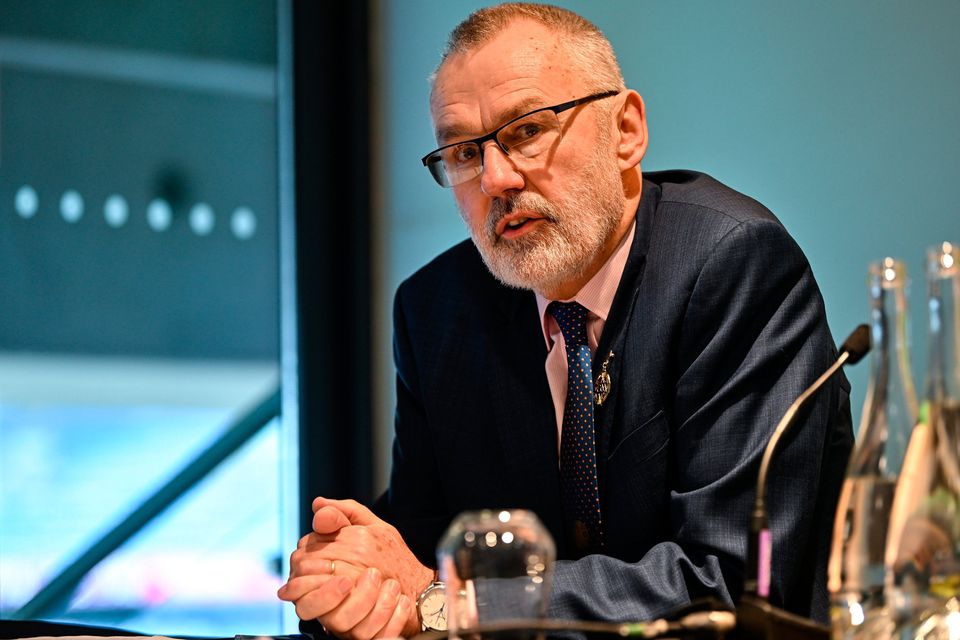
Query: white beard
(577, 227)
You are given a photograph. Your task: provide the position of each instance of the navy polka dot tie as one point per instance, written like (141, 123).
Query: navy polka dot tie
(578, 456)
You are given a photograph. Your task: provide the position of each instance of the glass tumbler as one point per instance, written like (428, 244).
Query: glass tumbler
(497, 566)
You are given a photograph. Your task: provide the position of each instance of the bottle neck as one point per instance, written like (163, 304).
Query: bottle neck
(890, 407)
(890, 364)
(943, 365)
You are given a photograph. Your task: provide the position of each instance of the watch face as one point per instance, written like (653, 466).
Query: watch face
(433, 608)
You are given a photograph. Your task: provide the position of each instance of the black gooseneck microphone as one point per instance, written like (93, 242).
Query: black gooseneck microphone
(760, 546)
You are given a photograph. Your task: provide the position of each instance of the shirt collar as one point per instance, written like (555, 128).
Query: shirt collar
(597, 295)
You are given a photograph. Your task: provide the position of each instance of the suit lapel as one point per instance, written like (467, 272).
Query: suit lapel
(617, 326)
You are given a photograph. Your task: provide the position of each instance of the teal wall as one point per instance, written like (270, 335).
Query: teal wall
(841, 117)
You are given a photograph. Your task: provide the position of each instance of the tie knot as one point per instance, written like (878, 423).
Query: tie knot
(572, 320)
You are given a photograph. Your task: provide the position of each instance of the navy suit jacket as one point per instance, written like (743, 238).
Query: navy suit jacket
(716, 327)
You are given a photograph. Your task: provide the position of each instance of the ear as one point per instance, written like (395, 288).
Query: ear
(633, 131)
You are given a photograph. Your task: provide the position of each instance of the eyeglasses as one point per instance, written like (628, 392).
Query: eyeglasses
(529, 135)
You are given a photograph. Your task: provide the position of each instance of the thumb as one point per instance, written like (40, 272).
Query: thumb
(355, 512)
(329, 519)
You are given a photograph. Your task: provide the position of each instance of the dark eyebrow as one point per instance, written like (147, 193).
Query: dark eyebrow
(449, 133)
(454, 132)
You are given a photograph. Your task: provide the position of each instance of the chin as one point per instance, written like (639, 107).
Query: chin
(544, 277)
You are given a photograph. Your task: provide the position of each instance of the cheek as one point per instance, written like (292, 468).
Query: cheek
(473, 206)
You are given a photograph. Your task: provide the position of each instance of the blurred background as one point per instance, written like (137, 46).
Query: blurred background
(205, 208)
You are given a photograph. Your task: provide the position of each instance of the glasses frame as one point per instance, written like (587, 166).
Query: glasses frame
(479, 141)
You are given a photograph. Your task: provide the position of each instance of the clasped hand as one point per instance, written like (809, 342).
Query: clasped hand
(354, 574)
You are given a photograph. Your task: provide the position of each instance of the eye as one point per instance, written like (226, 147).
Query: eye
(463, 154)
(531, 130)
(521, 132)
(527, 130)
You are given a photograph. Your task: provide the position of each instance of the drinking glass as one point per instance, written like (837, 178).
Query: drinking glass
(497, 566)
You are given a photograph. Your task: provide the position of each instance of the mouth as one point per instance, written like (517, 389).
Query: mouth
(517, 224)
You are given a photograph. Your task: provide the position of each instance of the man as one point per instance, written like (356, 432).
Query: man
(696, 322)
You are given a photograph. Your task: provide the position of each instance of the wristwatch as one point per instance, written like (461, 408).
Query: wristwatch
(432, 607)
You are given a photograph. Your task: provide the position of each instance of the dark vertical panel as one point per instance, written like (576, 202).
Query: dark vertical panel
(331, 126)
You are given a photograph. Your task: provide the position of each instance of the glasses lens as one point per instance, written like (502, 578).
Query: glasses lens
(532, 134)
(529, 136)
(435, 165)
(456, 164)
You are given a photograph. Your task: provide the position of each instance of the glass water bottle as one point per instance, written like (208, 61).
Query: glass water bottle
(856, 569)
(923, 553)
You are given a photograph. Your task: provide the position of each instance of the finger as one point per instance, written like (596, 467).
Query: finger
(329, 519)
(296, 588)
(355, 512)
(381, 613)
(313, 565)
(356, 606)
(316, 603)
(320, 541)
(312, 539)
(403, 613)
(307, 564)
(344, 568)
(305, 561)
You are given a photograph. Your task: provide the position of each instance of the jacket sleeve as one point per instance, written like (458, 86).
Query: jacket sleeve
(409, 504)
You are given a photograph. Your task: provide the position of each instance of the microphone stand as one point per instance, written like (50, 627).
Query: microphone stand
(756, 617)
(760, 552)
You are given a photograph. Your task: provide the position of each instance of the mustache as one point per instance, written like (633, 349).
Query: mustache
(504, 206)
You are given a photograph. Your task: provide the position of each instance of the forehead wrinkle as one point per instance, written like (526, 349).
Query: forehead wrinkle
(478, 90)
(454, 129)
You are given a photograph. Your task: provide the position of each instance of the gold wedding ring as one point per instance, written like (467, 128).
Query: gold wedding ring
(333, 567)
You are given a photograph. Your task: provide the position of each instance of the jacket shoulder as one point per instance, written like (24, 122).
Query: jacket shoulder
(691, 189)
(453, 270)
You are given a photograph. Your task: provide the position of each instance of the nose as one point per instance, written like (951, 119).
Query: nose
(499, 173)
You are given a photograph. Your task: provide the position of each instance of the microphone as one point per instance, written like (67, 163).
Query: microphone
(760, 544)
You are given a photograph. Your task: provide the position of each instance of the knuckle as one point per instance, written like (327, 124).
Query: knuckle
(338, 625)
(296, 568)
(362, 631)
(302, 610)
(386, 605)
(363, 540)
(308, 566)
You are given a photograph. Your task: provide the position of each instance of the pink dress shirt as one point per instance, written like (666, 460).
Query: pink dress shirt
(597, 296)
